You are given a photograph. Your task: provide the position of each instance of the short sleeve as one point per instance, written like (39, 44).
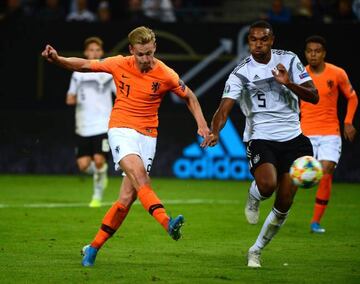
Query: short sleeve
(344, 84)
(300, 75)
(233, 87)
(176, 85)
(113, 86)
(74, 85)
(105, 65)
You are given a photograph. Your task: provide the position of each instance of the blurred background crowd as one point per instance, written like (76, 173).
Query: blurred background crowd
(103, 11)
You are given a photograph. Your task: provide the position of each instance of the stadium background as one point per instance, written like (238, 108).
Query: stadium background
(37, 128)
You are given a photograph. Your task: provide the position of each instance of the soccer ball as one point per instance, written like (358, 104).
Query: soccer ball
(306, 172)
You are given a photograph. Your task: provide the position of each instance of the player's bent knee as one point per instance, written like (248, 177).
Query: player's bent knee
(266, 187)
(138, 177)
(127, 200)
(99, 161)
(83, 166)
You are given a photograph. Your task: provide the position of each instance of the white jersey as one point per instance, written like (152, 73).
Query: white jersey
(93, 93)
(271, 109)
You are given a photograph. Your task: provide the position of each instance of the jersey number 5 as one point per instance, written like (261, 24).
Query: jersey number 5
(261, 99)
(124, 88)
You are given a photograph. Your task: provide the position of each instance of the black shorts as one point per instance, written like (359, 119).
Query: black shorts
(280, 154)
(88, 146)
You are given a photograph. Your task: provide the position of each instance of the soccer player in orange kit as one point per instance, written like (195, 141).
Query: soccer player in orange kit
(141, 81)
(320, 122)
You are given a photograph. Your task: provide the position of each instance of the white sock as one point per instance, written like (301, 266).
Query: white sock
(100, 177)
(91, 168)
(254, 191)
(271, 226)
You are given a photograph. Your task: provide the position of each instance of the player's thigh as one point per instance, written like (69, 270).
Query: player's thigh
(263, 162)
(125, 141)
(147, 151)
(100, 149)
(83, 152)
(329, 148)
(291, 150)
(134, 169)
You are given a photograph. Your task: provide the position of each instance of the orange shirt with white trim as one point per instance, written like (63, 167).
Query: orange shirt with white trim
(138, 95)
(322, 118)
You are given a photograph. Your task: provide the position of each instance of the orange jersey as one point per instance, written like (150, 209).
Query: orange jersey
(322, 118)
(138, 95)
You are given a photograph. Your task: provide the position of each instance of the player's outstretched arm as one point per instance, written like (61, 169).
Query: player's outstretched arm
(349, 129)
(70, 63)
(195, 108)
(218, 122)
(306, 91)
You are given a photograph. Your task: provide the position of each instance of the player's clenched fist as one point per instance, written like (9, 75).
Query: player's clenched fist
(49, 53)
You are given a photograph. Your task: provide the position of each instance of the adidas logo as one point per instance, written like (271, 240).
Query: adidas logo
(226, 160)
(256, 77)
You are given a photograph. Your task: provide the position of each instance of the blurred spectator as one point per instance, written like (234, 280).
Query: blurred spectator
(356, 8)
(161, 10)
(188, 10)
(82, 13)
(51, 12)
(310, 10)
(135, 12)
(30, 6)
(343, 11)
(278, 13)
(13, 11)
(103, 12)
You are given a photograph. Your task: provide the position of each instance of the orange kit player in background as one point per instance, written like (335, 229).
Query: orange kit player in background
(320, 122)
(141, 81)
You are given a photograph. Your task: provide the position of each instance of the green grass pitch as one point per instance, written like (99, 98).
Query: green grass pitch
(44, 222)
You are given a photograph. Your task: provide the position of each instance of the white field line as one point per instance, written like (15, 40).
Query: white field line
(75, 205)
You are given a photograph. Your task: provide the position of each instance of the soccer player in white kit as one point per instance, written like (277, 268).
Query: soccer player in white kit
(268, 85)
(91, 93)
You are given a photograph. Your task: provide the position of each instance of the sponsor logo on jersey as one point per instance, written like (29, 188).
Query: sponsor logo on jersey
(304, 75)
(226, 160)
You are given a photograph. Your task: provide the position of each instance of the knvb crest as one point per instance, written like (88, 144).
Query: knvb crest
(330, 84)
(155, 86)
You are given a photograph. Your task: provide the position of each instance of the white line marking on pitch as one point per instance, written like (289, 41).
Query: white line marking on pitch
(75, 205)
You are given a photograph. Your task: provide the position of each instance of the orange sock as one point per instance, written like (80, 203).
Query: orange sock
(153, 205)
(111, 222)
(322, 197)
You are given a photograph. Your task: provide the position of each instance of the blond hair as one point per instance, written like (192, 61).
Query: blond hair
(141, 35)
(93, 39)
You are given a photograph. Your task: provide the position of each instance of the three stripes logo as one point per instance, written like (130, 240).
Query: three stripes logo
(226, 160)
